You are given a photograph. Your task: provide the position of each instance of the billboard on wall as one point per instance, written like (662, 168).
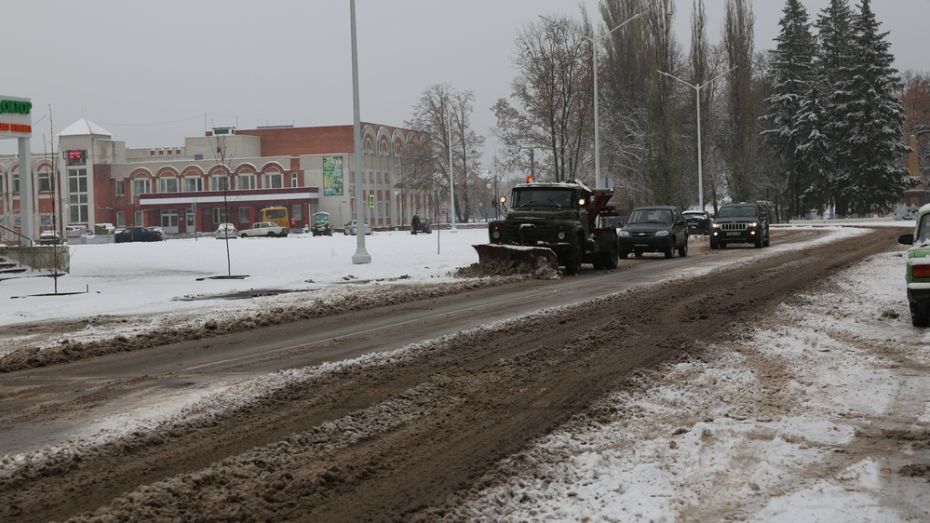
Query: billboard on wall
(332, 175)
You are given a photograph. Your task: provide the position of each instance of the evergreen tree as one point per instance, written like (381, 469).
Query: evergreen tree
(834, 26)
(876, 178)
(813, 152)
(792, 68)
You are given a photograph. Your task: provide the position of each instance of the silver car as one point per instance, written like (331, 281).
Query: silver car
(226, 230)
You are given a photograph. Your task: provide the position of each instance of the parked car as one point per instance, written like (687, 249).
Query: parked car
(746, 222)
(351, 228)
(698, 222)
(264, 229)
(76, 231)
(139, 234)
(654, 229)
(49, 238)
(226, 230)
(420, 225)
(320, 224)
(917, 272)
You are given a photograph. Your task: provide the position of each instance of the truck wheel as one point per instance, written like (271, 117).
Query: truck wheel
(920, 314)
(610, 260)
(573, 262)
(683, 250)
(670, 249)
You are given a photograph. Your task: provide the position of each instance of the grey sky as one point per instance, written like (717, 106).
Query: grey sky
(149, 71)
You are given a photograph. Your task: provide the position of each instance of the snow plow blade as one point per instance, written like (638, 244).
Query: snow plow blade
(515, 259)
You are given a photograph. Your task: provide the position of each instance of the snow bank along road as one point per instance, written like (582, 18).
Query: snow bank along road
(387, 437)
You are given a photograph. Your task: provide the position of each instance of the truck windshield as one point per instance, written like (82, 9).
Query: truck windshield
(738, 211)
(543, 198)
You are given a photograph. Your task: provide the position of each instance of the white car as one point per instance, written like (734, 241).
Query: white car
(264, 229)
(226, 230)
(351, 228)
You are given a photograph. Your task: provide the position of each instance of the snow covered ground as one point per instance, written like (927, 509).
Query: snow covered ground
(136, 278)
(822, 415)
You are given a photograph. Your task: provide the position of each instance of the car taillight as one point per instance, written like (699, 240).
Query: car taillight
(921, 271)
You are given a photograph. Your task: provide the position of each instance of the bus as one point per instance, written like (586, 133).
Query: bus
(275, 215)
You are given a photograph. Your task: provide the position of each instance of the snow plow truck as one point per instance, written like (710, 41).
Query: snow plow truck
(553, 223)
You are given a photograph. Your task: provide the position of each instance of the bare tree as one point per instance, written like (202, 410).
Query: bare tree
(553, 97)
(738, 40)
(627, 75)
(443, 116)
(664, 176)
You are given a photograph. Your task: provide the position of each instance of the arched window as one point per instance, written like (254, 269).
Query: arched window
(46, 180)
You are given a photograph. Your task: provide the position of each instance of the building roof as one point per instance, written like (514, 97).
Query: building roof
(84, 127)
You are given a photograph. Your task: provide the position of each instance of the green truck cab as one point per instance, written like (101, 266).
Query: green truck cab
(918, 268)
(561, 217)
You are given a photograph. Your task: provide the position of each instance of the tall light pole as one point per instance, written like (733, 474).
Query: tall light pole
(597, 133)
(697, 91)
(361, 256)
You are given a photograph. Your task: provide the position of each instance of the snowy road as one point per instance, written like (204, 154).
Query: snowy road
(397, 434)
(48, 405)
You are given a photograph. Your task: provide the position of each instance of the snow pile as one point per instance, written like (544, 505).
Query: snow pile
(814, 419)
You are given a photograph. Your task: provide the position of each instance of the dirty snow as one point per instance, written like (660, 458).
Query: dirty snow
(815, 418)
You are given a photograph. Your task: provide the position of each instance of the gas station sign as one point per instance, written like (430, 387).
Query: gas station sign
(15, 117)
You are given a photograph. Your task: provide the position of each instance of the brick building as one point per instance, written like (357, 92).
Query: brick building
(188, 188)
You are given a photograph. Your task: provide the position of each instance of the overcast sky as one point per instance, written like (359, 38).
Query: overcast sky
(149, 74)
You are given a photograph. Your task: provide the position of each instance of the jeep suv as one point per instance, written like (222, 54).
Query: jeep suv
(746, 222)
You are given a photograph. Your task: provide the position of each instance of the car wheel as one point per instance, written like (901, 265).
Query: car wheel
(670, 249)
(758, 242)
(768, 238)
(243, 235)
(714, 244)
(683, 250)
(920, 314)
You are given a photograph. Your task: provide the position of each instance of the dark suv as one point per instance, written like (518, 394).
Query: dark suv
(654, 229)
(746, 222)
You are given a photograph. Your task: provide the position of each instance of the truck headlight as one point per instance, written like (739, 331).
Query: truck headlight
(754, 224)
(561, 235)
(624, 234)
(716, 226)
(661, 234)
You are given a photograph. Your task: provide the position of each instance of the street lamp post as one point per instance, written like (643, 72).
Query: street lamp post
(700, 156)
(361, 256)
(597, 132)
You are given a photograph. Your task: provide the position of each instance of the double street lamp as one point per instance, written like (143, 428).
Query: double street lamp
(700, 157)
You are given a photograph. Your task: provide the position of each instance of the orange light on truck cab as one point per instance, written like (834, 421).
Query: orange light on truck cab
(529, 179)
